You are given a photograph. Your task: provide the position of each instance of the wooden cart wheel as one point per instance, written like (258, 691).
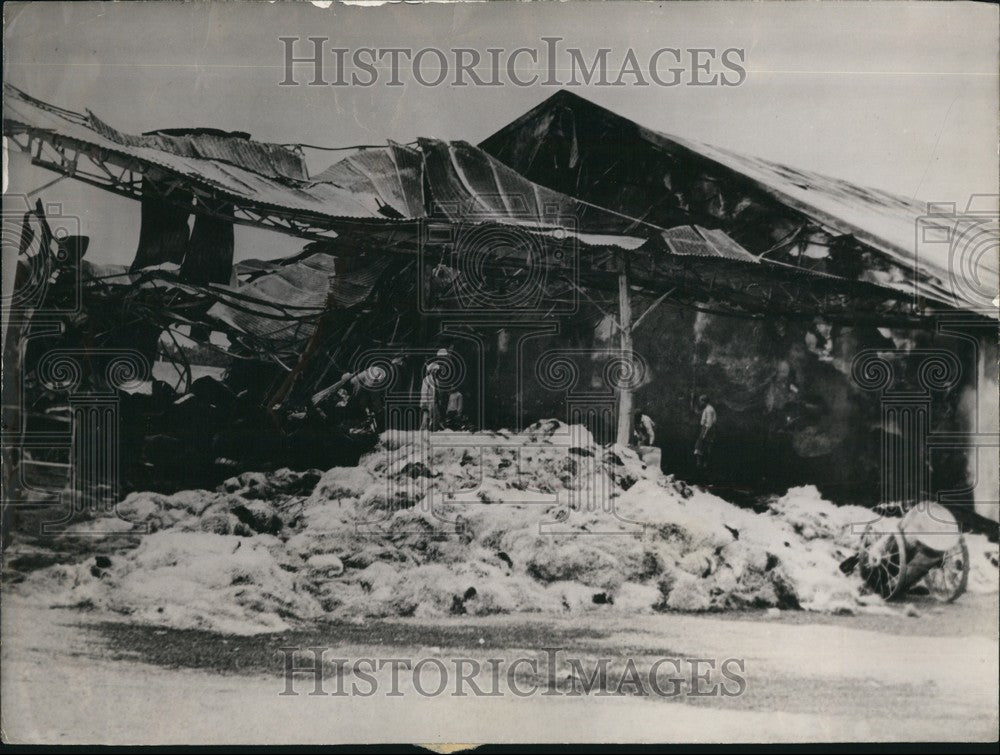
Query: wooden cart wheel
(882, 560)
(949, 580)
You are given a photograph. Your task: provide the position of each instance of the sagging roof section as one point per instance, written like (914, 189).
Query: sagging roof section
(389, 201)
(383, 184)
(230, 180)
(272, 160)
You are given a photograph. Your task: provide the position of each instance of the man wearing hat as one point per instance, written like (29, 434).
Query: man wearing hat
(430, 410)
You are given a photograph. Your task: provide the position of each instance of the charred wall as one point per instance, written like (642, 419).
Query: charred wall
(789, 411)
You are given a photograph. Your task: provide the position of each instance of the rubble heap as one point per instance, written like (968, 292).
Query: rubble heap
(446, 524)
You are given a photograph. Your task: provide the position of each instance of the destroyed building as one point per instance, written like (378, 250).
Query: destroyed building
(786, 386)
(573, 265)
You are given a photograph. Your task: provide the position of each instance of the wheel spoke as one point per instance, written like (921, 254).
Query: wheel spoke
(882, 561)
(947, 581)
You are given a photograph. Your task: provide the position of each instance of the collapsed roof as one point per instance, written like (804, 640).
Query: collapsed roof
(559, 191)
(267, 184)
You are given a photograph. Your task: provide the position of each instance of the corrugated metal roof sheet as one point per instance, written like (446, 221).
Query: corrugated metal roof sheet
(385, 186)
(390, 176)
(271, 160)
(885, 221)
(564, 142)
(380, 184)
(238, 183)
(253, 266)
(696, 241)
(308, 284)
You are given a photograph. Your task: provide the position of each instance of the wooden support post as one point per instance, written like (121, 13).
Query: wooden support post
(625, 352)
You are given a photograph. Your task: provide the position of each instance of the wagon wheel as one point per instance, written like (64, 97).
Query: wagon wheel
(947, 581)
(882, 561)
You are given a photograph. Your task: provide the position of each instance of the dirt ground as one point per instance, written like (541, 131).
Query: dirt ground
(70, 676)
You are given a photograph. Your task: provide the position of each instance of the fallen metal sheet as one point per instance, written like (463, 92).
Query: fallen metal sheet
(376, 204)
(23, 114)
(310, 285)
(163, 232)
(209, 257)
(385, 184)
(253, 267)
(702, 242)
(388, 177)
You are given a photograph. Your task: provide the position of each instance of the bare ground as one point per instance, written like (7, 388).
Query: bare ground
(76, 677)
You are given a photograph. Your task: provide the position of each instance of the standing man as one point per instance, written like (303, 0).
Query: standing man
(431, 404)
(706, 433)
(429, 397)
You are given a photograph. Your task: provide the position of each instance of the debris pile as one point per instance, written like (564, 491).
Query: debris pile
(451, 523)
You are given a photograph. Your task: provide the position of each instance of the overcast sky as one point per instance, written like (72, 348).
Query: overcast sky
(895, 95)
